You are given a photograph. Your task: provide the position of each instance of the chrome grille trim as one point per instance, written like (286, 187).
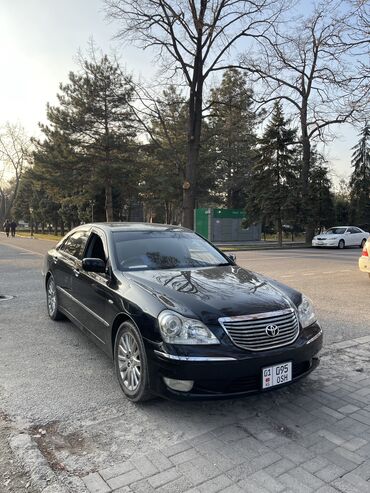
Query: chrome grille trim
(249, 331)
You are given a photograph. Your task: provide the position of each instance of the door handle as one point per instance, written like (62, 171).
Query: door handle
(76, 272)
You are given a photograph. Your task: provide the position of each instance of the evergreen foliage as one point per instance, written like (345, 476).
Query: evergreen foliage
(273, 176)
(360, 180)
(232, 129)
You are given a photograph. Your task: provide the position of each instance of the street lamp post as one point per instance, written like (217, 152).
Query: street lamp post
(31, 219)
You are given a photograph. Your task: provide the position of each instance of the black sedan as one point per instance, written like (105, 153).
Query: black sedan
(179, 318)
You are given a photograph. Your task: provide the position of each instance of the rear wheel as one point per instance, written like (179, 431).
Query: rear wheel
(341, 244)
(131, 363)
(52, 300)
(363, 243)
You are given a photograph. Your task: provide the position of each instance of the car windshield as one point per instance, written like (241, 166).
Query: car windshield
(156, 250)
(335, 231)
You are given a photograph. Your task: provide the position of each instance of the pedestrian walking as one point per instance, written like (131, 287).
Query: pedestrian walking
(13, 226)
(6, 227)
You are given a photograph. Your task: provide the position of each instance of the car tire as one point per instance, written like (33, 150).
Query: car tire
(131, 364)
(52, 300)
(341, 244)
(363, 243)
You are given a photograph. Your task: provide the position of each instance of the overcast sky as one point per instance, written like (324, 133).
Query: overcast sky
(39, 40)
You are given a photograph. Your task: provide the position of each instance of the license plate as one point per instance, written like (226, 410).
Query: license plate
(320, 242)
(276, 375)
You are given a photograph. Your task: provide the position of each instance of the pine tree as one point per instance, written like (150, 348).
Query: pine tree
(95, 120)
(232, 125)
(164, 158)
(321, 212)
(360, 180)
(274, 175)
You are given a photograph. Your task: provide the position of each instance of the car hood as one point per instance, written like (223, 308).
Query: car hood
(210, 293)
(326, 236)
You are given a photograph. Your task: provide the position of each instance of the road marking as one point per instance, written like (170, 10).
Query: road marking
(24, 249)
(309, 274)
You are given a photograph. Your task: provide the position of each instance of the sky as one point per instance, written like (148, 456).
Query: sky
(39, 42)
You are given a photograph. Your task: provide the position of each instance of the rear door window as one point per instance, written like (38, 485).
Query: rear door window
(75, 244)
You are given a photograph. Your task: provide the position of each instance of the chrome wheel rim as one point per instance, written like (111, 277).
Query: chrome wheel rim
(52, 297)
(129, 362)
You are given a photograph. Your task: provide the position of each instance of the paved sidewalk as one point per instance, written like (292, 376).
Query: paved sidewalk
(312, 436)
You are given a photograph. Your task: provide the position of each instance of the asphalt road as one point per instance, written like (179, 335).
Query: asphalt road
(53, 377)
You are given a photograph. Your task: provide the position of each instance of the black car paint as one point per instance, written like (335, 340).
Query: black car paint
(99, 302)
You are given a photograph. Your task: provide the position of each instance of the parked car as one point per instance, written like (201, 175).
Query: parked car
(179, 318)
(364, 260)
(341, 237)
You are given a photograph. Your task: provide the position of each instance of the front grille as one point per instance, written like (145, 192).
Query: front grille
(249, 331)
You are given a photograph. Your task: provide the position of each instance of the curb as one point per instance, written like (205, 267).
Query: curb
(245, 248)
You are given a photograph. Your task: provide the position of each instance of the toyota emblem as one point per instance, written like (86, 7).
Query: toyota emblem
(272, 330)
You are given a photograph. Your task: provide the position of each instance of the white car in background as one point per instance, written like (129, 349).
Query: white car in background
(340, 237)
(364, 260)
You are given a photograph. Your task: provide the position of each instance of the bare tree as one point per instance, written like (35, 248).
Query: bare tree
(310, 65)
(15, 149)
(193, 38)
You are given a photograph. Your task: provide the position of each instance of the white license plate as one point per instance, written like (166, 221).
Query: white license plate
(276, 375)
(320, 242)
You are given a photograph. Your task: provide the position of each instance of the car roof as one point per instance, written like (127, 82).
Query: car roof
(131, 226)
(332, 227)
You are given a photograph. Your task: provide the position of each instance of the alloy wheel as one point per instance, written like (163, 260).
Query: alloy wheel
(129, 362)
(51, 297)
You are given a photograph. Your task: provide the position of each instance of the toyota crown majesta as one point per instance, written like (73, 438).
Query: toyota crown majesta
(179, 318)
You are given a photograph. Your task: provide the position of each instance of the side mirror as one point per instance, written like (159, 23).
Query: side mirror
(93, 265)
(232, 257)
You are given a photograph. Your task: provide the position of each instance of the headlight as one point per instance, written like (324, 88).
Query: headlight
(306, 312)
(177, 329)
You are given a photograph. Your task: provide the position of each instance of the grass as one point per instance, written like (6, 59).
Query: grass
(39, 236)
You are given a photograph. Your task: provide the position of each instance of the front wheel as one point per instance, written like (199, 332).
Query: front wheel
(131, 363)
(341, 244)
(52, 300)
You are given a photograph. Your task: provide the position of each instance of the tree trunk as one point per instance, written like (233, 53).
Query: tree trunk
(194, 133)
(306, 165)
(280, 230)
(109, 201)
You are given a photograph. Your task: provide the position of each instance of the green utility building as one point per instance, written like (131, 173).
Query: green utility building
(224, 225)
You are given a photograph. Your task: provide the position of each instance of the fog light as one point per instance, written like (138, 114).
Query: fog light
(181, 385)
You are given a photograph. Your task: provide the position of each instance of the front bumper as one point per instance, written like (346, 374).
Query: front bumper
(231, 373)
(364, 264)
(325, 243)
